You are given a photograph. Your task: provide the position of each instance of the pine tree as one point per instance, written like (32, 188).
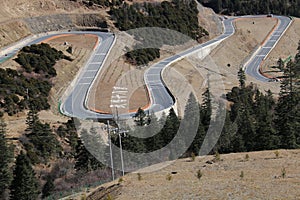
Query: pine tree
(32, 118)
(169, 131)
(246, 128)
(171, 126)
(44, 141)
(195, 114)
(287, 110)
(6, 158)
(242, 78)
(153, 139)
(84, 160)
(265, 133)
(24, 185)
(189, 127)
(280, 64)
(48, 188)
(140, 117)
(206, 109)
(227, 136)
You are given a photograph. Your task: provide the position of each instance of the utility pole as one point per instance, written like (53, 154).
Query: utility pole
(119, 132)
(110, 150)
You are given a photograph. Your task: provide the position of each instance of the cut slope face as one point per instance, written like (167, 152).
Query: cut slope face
(20, 18)
(12, 31)
(14, 9)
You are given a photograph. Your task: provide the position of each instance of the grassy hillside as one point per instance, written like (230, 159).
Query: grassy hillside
(253, 175)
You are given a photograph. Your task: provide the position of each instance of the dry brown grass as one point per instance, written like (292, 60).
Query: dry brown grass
(262, 178)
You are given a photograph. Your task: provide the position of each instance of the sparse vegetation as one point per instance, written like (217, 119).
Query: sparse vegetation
(276, 153)
(193, 156)
(83, 196)
(120, 180)
(199, 174)
(217, 156)
(139, 176)
(246, 157)
(169, 177)
(242, 175)
(283, 172)
(109, 197)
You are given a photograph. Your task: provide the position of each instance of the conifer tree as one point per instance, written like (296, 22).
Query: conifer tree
(206, 109)
(242, 78)
(48, 188)
(226, 138)
(32, 118)
(280, 64)
(6, 158)
(265, 133)
(84, 160)
(288, 109)
(192, 116)
(140, 117)
(44, 141)
(24, 185)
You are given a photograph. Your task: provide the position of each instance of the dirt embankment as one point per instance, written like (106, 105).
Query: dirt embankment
(209, 20)
(20, 18)
(260, 175)
(18, 9)
(12, 31)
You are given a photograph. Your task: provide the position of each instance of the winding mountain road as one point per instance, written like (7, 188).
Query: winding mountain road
(74, 105)
(253, 66)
